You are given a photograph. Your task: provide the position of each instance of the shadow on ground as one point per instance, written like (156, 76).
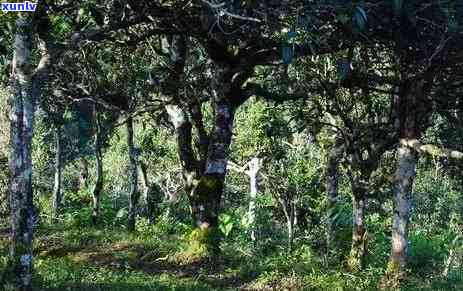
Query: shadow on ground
(122, 257)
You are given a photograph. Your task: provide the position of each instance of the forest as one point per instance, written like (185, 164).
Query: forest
(231, 145)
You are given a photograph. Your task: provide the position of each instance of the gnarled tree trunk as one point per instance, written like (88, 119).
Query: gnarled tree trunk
(206, 195)
(56, 203)
(178, 115)
(204, 173)
(23, 214)
(133, 195)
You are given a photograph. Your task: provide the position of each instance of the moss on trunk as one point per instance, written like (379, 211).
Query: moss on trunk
(203, 244)
(205, 202)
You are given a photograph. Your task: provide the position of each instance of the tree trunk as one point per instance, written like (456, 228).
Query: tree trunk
(178, 116)
(405, 174)
(413, 113)
(290, 226)
(151, 196)
(288, 207)
(185, 151)
(254, 168)
(99, 174)
(23, 214)
(133, 195)
(58, 167)
(83, 173)
(204, 177)
(358, 249)
(292, 222)
(332, 185)
(206, 196)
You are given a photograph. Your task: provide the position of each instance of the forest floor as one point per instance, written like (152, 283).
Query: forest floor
(87, 258)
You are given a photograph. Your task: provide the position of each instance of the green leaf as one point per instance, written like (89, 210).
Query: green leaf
(226, 224)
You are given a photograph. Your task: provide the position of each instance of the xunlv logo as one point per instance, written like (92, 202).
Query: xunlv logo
(19, 7)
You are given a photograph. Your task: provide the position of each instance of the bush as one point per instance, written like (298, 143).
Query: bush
(426, 253)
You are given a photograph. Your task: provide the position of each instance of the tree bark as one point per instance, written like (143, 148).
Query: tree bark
(83, 173)
(405, 174)
(185, 151)
(151, 196)
(133, 195)
(412, 113)
(290, 226)
(332, 185)
(23, 213)
(358, 249)
(96, 193)
(205, 198)
(254, 168)
(58, 169)
(413, 109)
(288, 206)
(203, 177)
(178, 116)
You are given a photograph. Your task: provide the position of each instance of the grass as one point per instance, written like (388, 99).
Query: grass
(88, 258)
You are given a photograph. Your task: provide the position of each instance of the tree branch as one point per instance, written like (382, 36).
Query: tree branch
(101, 34)
(431, 149)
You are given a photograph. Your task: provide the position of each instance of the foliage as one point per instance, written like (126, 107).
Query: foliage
(226, 224)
